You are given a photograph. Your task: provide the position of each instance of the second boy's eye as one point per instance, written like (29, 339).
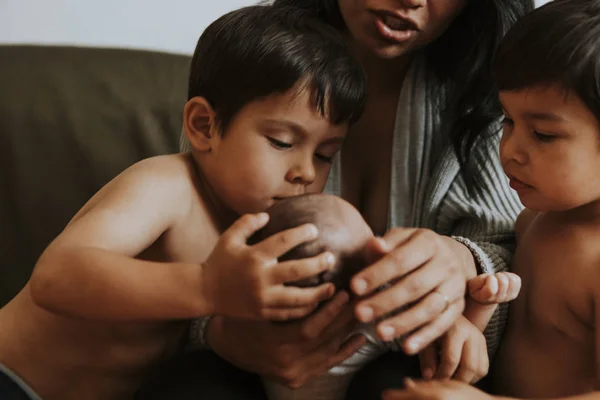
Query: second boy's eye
(543, 137)
(278, 144)
(325, 159)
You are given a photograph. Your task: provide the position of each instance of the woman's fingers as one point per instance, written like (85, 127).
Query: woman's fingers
(393, 265)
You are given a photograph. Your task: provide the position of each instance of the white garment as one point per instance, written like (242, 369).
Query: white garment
(333, 385)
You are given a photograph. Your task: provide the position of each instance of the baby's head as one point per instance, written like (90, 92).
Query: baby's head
(342, 231)
(547, 69)
(272, 92)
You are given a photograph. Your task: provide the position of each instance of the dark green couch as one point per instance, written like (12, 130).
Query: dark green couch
(70, 120)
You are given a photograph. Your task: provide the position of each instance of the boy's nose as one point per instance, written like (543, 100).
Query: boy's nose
(511, 149)
(303, 172)
(413, 3)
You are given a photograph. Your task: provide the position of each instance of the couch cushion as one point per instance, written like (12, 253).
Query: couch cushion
(70, 120)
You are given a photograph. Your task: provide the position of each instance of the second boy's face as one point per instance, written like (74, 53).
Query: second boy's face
(550, 148)
(274, 148)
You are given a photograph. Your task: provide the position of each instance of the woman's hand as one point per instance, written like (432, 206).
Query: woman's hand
(293, 352)
(436, 390)
(462, 354)
(426, 271)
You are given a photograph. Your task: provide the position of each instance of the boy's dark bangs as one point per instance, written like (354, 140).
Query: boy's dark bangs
(547, 48)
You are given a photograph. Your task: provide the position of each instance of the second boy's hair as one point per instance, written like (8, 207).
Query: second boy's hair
(558, 43)
(257, 51)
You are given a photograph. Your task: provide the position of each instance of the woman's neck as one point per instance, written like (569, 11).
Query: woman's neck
(384, 76)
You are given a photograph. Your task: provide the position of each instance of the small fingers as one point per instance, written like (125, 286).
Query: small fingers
(469, 364)
(294, 297)
(286, 314)
(515, 286)
(347, 349)
(509, 286)
(297, 270)
(477, 283)
(315, 324)
(428, 359)
(450, 356)
(280, 243)
(245, 226)
(503, 287)
(430, 332)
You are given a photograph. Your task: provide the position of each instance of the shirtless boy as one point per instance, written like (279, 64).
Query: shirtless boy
(271, 96)
(547, 69)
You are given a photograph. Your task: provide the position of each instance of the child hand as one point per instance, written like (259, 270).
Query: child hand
(496, 288)
(461, 354)
(248, 282)
(436, 390)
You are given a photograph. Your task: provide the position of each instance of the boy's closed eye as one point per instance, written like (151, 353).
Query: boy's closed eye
(281, 145)
(543, 137)
(278, 144)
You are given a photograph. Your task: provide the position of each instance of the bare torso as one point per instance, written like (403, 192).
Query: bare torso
(63, 358)
(548, 347)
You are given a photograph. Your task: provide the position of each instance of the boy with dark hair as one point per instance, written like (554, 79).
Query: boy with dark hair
(271, 95)
(548, 73)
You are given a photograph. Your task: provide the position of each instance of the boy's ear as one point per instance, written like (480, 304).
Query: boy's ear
(199, 123)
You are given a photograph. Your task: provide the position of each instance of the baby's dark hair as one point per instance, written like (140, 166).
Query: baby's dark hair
(558, 43)
(258, 51)
(324, 212)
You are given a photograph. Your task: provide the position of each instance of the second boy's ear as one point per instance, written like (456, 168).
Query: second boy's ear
(199, 123)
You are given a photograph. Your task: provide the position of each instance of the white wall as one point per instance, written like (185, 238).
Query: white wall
(171, 25)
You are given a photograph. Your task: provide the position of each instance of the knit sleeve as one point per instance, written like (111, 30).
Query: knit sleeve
(484, 223)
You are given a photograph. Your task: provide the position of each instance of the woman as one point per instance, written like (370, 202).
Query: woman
(423, 157)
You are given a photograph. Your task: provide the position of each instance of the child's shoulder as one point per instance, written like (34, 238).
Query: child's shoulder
(169, 171)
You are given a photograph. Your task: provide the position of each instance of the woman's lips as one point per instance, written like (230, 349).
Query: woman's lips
(394, 29)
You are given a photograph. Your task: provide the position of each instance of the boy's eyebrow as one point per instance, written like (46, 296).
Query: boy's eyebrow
(545, 116)
(539, 115)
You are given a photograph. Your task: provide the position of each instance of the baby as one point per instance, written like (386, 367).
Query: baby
(344, 233)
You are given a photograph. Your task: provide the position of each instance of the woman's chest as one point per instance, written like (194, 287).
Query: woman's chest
(366, 178)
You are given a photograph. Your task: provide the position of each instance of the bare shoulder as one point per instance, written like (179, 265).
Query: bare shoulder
(155, 181)
(524, 221)
(587, 252)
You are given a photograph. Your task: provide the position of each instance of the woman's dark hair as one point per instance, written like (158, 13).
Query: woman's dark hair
(257, 51)
(558, 43)
(461, 58)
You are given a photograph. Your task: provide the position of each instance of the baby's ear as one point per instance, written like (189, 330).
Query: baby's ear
(199, 122)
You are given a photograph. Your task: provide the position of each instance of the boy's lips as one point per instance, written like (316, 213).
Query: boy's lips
(517, 184)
